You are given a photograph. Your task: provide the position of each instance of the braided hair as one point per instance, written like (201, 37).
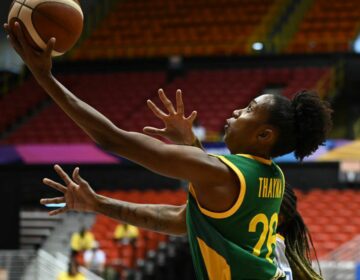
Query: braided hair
(297, 239)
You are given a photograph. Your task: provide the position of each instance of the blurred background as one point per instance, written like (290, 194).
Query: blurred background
(222, 54)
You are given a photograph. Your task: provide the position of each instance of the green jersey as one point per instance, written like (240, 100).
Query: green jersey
(240, 242)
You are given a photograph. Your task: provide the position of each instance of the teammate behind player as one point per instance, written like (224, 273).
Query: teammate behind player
(232, 212)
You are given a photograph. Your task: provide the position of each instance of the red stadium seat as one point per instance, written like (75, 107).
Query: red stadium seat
(327, 27)
(162, 29)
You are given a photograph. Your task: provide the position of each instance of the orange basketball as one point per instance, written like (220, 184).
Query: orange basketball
(43, 19)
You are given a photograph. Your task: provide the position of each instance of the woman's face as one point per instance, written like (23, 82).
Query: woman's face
(247, 128)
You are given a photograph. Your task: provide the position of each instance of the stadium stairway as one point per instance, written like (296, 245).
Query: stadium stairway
(289, 24)
(44, 245)
(36, 227)
(45, 266)
(269, 23)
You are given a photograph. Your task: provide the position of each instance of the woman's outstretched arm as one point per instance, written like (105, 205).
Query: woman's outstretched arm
(79, 196)
(174, 161)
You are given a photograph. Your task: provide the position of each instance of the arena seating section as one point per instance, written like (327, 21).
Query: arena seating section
(326, 212)
(331, 217)
(162, 28)
(115, 95)
(227, 27)
(18, 102)
(122, 97)
(328, 26)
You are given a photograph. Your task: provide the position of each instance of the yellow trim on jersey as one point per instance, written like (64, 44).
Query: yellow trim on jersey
(236, 206)
(192, 191)
(216, 266)
(259, 159)
(278, 235)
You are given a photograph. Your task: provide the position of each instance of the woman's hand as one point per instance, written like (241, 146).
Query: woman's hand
(78, 195)
(39, 62)
(178, 128)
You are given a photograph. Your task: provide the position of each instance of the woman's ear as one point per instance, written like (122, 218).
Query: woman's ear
(266, 135)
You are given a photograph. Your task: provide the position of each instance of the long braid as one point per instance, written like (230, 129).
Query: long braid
(297, 239)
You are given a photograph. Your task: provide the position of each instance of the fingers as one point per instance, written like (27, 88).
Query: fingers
(56, 200)
(50, 47)
(154, 131)
(54, 185)
(179, 102)
(156, 110)
(76, 176)
(19, 34)
(192, 116)
(13, 41)
(58, 211)
(167, 103)
(18, 39)
(62, 174)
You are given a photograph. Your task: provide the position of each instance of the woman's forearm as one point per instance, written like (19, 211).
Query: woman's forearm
(173, 161)
(166, 219)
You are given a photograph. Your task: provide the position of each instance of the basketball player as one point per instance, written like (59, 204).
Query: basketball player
(178, 129)
(232, 211)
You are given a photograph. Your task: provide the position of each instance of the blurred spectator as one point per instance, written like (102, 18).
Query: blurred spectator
(199, 130)
(3, 274)
(81, 241)
(175, 68)
(95, 259)
(126, 236)
(125, 233)
(73, 272)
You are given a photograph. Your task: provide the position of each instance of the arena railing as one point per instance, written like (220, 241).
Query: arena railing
(32, 265)
(343, 263)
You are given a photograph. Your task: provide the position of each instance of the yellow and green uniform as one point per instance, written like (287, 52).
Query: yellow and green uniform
(240, 242)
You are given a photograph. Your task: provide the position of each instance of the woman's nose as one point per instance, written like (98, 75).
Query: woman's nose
(236, 113)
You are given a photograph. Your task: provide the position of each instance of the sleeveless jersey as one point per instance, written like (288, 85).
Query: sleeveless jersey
(280, 257)
(240, 242)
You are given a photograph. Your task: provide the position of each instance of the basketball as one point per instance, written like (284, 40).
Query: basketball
(43, 19)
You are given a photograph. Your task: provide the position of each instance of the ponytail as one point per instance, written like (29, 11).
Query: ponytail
(303, 123)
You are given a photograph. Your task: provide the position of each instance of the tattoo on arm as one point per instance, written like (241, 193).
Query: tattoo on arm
(167, 219)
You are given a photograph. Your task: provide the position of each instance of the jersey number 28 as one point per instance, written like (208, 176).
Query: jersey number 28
(268, 233)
